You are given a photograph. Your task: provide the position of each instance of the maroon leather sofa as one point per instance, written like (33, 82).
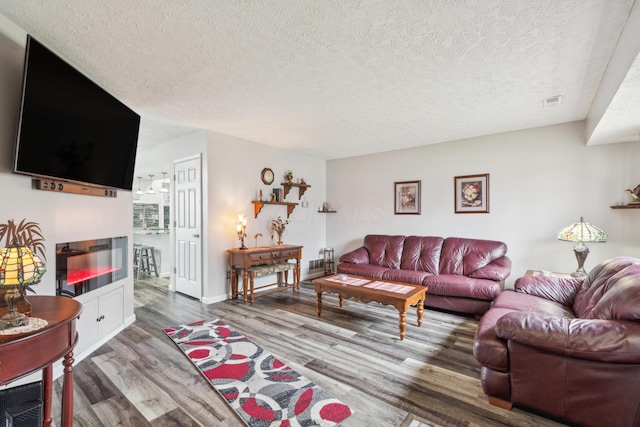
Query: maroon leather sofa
(567, 347)
(463, 275)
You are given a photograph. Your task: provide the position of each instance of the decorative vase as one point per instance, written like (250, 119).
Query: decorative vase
(279, 242)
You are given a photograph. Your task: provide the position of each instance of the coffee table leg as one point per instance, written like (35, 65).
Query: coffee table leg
(403, 324)
(420, 312)
(319, 302)
(341, 300)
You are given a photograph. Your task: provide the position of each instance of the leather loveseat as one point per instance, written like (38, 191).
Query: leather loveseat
(463, 275)
(567, 347)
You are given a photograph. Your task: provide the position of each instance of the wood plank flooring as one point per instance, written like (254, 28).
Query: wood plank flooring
(139, 378)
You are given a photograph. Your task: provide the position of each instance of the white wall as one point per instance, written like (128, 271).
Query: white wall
(234, 167)
(231, 178)
(540, 180)
(62, 217)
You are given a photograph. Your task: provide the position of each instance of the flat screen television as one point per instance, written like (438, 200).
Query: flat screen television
(70, 128)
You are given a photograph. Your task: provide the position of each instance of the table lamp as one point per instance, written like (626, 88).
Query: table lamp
(581, 232)
(19, 268)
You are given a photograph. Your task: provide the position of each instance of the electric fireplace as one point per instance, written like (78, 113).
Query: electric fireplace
(87, 265)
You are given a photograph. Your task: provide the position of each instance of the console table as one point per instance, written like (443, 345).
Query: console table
(29, 352)
(261, 261)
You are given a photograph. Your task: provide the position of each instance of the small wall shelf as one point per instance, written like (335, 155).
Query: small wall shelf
(629, 206)
(258, 205)
(301, 188)
(321, 211)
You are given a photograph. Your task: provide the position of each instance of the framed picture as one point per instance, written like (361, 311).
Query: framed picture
(407, 198)
(471, 193)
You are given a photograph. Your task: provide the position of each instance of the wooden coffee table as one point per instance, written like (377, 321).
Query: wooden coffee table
(399, 295)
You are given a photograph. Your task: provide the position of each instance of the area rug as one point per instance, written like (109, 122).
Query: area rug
(263, 390)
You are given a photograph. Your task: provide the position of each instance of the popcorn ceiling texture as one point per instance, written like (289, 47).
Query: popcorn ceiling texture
(332, 78)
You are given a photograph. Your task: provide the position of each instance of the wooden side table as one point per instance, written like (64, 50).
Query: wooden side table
(29, 352)
(242, 260)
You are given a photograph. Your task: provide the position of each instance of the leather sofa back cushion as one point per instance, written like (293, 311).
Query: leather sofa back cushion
(421, 253)
(611, 291)
(384, 250)
(464, 256)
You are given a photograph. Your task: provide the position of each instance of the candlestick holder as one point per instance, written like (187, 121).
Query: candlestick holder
(241, 229)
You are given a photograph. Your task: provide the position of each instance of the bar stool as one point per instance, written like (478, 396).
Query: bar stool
(144, 259)
(136, 258)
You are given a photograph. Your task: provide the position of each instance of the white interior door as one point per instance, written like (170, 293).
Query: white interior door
(188, 232)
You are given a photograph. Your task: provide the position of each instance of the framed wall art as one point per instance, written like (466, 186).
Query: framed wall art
(471, 193)
(407, 198)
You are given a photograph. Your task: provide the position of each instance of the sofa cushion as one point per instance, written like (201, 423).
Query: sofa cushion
(406, 276)
(358, 256)
(532, 304)
(364, 270)
(462, 286)
(598, 340)
(562, 290)
(385, 251)
(464, 256)
(422, 253)
(498, 270)
(621, 301)
(608, 291)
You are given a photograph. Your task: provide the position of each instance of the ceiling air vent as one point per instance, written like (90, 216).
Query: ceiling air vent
(552, 101)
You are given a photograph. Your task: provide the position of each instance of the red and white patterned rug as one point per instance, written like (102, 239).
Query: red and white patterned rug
(263, 390)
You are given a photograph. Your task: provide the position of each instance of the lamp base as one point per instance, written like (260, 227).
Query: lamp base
(579, 273)
(13, 320)
(581, 256)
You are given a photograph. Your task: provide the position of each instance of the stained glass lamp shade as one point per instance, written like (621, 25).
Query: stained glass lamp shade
(581, 232)
(19, 268)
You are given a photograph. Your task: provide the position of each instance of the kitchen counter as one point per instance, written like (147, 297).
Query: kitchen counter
(160, 240)
(151, 231)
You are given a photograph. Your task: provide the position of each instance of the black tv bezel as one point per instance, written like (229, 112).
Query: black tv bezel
(126, 185)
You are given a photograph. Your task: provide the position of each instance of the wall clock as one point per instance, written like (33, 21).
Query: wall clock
(267, 176)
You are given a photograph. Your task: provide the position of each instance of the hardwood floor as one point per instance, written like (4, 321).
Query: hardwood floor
(139, 378)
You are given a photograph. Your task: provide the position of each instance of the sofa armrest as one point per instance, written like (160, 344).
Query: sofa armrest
(358, 256)
(497, 270)
(612, 341)
(562, 290)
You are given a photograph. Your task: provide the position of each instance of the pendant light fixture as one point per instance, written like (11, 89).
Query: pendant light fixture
(163, 188)
(139, 191)
(150, 190)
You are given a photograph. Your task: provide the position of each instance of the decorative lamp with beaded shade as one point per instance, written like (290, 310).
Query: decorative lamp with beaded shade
(581, 232)
(19, 268)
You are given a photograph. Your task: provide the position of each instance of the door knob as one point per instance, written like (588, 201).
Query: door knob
(196, 235)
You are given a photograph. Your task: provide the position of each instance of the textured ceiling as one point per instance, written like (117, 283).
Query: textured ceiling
(335, 79)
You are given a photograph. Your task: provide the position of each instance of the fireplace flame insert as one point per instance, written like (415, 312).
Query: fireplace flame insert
(87, 265)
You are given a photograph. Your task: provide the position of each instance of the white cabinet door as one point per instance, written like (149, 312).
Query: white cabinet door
(111, 312)
(100, 316)
(86, 325)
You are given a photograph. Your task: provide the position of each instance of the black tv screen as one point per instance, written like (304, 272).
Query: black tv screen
(70, 128)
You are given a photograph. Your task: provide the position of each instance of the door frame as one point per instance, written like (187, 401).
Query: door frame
(203, 222)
